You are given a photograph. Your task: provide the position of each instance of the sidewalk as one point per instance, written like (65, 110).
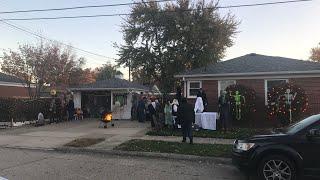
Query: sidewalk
(195, 139)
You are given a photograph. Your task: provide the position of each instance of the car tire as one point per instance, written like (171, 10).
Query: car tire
(276, 166)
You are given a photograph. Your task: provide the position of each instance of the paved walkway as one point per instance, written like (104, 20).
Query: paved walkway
(56, 135)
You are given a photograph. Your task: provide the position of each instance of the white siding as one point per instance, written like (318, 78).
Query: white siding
(125, 111)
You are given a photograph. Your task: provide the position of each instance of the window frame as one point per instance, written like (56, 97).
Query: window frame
(124, 95)
(219, 84)
(266, 88)
(188, 88)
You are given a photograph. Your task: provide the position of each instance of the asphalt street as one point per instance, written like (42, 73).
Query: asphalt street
(16, 164)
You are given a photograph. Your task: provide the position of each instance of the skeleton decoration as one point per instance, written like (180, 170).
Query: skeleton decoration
(289, 97)
(238, 102)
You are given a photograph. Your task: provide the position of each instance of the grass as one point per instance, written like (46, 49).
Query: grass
(233, 134)
(214, 150)
(84, 142)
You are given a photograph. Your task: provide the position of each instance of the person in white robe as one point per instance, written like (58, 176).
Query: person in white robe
(198, 107)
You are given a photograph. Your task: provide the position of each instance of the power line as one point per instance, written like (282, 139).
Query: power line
(80, 7)
(124, 14)
(42, 37)
(262, 4)
(67, 17)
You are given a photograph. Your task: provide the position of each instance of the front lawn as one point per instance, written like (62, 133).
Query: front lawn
(214, 150)
(234, 134)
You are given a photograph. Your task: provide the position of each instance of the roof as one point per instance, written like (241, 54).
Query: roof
(110, 84)
(8, 78)
(253, 64)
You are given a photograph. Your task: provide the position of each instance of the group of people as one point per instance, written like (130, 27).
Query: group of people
(60, 110)
(150, 109)
(175, 114)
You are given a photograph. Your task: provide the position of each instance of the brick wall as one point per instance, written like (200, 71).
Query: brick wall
(310, 85)
(12, 91)
(211, 89)
(312, 89)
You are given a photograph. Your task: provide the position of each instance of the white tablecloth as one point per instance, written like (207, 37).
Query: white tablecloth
(206, 120)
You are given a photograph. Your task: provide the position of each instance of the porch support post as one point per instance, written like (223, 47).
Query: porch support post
(111, 103)
(184, 88)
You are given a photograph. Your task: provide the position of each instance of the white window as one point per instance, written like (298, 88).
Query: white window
(122, 98)
(193, 88)
(222, 85)
(271, 83)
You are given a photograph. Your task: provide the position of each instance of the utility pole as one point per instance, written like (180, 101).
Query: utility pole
(129, 70)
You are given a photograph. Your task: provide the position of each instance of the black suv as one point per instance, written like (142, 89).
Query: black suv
(284, 154)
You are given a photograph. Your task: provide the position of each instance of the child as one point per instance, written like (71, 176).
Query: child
(79, 114)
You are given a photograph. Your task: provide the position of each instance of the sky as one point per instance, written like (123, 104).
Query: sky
(288, 30)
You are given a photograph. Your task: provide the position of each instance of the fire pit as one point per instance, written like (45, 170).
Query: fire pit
(106, 118)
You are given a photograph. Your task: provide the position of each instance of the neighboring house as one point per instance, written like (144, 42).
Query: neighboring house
(11, 86)
(258, 72)
(105, 94)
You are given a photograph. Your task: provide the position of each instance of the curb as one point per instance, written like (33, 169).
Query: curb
(217, 160)
(171, 156)
(28, 148)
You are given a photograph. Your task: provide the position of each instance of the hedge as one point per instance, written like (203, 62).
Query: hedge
(22, 109)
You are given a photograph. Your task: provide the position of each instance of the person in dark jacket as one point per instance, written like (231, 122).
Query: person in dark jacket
(224, 111)
(152, 108)
(186, 116)
(203, 95)
(53, 110)
(70, 110)
(141, 110)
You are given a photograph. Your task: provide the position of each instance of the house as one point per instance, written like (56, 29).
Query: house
(105, 94)
(258, 72)
(11, 86)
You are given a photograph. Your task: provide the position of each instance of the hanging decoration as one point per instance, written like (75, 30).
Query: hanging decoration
(287, 103)
(242, 101)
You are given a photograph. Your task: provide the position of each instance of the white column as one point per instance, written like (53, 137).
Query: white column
(77, 99)
(185, 88)
(111, 101)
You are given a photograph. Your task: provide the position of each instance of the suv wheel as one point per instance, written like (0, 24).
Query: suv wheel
(276, 168)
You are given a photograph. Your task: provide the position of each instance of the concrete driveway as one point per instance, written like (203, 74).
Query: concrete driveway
(56, 135)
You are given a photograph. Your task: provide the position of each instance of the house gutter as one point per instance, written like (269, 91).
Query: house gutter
(102, 89)
(15, 84)
(250, 74)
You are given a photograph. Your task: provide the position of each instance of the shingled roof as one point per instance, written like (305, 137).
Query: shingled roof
(9, 79)
(252, 64)
(110, 84)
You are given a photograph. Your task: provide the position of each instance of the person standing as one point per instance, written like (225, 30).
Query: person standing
(203, 95)
(168, 114)
(152, 107)
(186, 115)
(141, 110)
(175, 119)
(198, 107)
(224, 110)
(59, 110)
(52, 110)
(70, 110)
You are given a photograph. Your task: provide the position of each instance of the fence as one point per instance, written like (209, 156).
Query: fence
(20, 110)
